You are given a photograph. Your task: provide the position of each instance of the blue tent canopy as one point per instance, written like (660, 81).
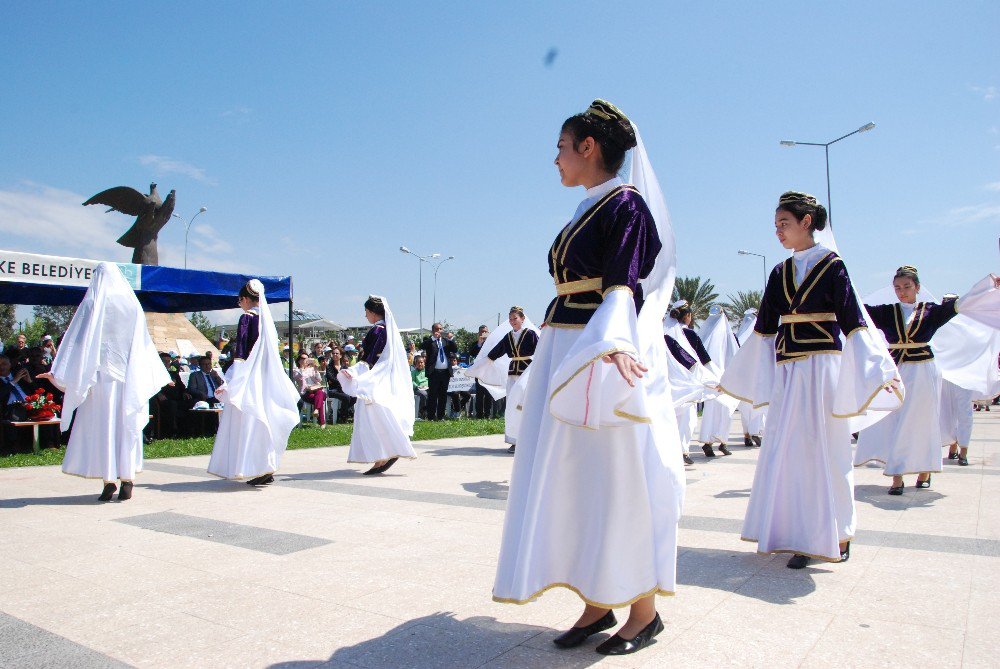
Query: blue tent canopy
(51, 280)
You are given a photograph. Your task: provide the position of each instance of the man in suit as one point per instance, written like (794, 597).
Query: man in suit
(168, 403)
(14, 388)
(203, 382)
(437, 349)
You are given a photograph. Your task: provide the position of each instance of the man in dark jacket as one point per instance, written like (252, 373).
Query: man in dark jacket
(437, 349)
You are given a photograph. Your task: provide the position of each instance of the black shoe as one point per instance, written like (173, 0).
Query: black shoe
(756, 440)
(126, 491)
(725, 450)
(845, 554)
(374, 470)
(688, 460)
(109, 490)
(512, 449)
(388, 464)
(577, 635)
(798, 561)
(925, 484)
(963, 461)
(261, 480)
(616, 645)
(747, 441)
(953, 456)
(896, 490)
(709, 453)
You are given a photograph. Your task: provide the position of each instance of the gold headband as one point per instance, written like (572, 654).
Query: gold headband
(796, 197)
(517, 309)
(909, 269)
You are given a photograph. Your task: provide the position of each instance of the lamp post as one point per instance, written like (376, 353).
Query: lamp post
(436, 268)
(826, 148)
(420, 277)
(187, 230)
(759, 255)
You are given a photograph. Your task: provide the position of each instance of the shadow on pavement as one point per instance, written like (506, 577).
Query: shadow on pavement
(352, 474)
(75, 500)
(473, 450)
(734, 571)
(206, 485)
(488, 489)
(912, 498)
(730, 494)
(442, 640)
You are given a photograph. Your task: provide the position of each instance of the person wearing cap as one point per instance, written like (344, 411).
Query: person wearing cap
(596, 488)
(909, 440)
(816, 363)
(350, 354)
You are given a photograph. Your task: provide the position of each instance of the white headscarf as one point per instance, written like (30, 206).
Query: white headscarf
(746, 326)
(388, 383)
(718, 338)
(259, 386)
(108, 334)
(492, 374)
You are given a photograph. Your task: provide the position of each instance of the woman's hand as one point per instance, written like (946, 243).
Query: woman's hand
(892, 386)
(996, 280)
(627, 366)
(45, 375)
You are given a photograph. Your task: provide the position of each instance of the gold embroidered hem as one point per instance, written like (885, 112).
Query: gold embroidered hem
(611, 288)
(587, 600)
(739, 397)
(400, 457)
(92, 478)
(864, 407)
(793, 551)
(243, 477)
(632, 417)
(585, 366)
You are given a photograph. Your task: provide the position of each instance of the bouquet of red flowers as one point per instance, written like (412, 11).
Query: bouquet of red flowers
(41, 406)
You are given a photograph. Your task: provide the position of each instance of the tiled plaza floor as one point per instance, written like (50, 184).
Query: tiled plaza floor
(329, 568)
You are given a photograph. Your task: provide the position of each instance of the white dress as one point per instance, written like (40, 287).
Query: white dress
(716, 417)
(956, 414)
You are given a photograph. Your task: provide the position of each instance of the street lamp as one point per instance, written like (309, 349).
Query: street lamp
(188, 229)
(826, 148)
(759, 255)
(436, 268)
(420, 277)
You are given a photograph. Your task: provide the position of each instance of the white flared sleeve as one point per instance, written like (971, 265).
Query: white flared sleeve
(966, 352)
(864, 391)
(982, 302)
(492, 374)
(587, 391)
(749, 376)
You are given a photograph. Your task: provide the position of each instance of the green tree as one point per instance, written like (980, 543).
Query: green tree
(465, 340)
(200, 321)
(8, 320)
(699, 293)
(739, 303)
(55, 319)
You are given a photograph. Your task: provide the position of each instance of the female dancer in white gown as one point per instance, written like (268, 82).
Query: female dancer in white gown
(909, 440)
(261, 403)
(720, 344)
(384, 413)
(108, 367)
(751, 419)
(597, 487)
(802, 500)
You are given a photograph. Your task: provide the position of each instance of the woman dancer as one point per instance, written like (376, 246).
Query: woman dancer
(909, 441)
(260, 403)
(720, 344)
(752, 419)
(956, 420)
(802, 500)
(687, 349)
(108, 368)
(597, 411)
(383, 418)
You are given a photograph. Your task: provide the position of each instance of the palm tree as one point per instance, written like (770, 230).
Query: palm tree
(739, 303)
(699, 293)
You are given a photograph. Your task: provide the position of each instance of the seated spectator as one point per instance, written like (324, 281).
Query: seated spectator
(419, 376)
(15, 386)
(334, 387)
(169, 402)
(350, 354)
(203, 382)
(310, 386)
(48, 349)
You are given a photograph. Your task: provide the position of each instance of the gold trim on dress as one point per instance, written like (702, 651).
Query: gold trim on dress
(908, 345)
(655, 591)
(864, 407)
(791, 550)
(585, 366)
(611, 288)
(580, 286)
(820, 317)
(632, 417)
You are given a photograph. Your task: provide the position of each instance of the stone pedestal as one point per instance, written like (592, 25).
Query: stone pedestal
(166, 329)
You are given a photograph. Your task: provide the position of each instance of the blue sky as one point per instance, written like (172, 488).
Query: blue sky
(322, 136)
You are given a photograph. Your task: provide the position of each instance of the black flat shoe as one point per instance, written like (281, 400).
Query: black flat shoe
(688, 460)
(619, 646)
(953, 456)
(798, 561)
(109, 491)
(756, 440)
(725, 450)
(896, 490)
(925, 484)
(512, 449)
(126, 491)
(845, 554)
(964, 462)
(747, 442)
(388, 464)
(709, 453)
(372, 471)
(261, 480)
(577, 635)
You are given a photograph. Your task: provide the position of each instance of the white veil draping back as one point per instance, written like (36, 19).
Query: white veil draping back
(388, 383)
(492, 374)
(746, 326)
(108, 334)
(260, 387)
(717, 335)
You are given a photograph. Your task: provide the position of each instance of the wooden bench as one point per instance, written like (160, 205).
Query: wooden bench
(33, 424)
